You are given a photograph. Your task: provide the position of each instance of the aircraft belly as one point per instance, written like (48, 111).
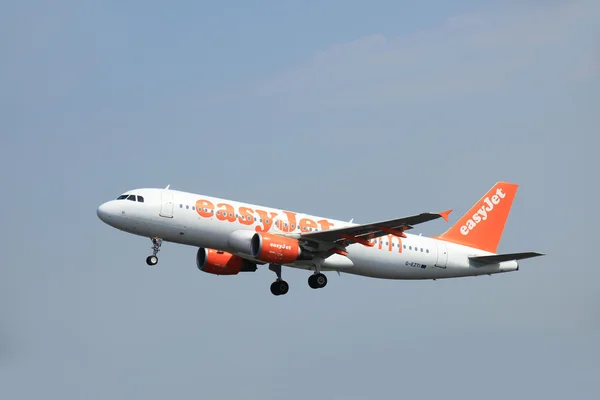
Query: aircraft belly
(380, 263)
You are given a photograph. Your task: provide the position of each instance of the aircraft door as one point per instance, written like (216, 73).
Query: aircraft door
(442, 254)
(166, 206)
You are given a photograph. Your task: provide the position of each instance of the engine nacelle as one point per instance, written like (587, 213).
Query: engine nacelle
(276, 249)
(222, 263)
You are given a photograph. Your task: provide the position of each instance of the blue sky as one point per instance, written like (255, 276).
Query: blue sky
(340, 109)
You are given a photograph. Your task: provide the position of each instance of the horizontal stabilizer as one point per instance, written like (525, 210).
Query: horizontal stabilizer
(497, 258)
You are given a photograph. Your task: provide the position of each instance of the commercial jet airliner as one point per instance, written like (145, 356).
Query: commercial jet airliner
(234, 237)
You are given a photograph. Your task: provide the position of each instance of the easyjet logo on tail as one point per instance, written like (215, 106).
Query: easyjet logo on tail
(483, 213)
(493, 208)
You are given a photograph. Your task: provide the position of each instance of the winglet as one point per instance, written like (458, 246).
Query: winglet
(445, 214)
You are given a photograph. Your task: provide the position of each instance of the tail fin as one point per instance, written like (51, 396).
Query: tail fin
(482, 226)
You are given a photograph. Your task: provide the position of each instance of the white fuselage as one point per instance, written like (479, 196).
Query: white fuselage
(204, 221)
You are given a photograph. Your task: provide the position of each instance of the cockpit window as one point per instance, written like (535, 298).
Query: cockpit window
(131, 197)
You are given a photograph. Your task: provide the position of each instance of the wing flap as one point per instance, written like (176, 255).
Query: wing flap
(498, 258)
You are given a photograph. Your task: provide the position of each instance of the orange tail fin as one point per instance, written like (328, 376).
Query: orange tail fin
(482, 226)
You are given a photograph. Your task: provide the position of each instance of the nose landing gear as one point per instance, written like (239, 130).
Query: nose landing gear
(153, 259)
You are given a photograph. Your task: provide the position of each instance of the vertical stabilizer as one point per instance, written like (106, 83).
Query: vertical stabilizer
(482, 226)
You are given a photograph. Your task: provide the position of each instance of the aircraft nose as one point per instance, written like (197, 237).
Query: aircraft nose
(104, 212)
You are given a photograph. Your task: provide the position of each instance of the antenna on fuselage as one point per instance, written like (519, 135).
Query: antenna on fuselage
(167, 188)
(352, 219)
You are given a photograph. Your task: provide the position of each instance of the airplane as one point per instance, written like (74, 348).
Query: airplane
(234, 237)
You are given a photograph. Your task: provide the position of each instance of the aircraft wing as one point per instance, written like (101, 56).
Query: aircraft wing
(363, 233)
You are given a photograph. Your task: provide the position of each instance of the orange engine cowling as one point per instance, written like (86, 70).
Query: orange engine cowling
(275, 249)
(221, 263)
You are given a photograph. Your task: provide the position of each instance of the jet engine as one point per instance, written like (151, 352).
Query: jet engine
(222, 263)
(276, 249)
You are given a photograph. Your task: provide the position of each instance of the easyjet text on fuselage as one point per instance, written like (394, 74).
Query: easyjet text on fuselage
(225, 211)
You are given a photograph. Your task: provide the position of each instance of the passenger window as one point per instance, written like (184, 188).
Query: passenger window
(427, 250)
(187, 207)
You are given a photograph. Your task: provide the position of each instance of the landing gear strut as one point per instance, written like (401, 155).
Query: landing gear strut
(317, 280)
(279, 287)
(153, 260)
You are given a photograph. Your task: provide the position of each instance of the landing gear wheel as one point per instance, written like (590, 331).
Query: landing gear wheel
(317, 281)
(152, 260)
(279, 288)
(321, 280)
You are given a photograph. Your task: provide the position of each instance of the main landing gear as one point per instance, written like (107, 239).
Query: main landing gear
(279, 287)
(317, 280)
(153, 260)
